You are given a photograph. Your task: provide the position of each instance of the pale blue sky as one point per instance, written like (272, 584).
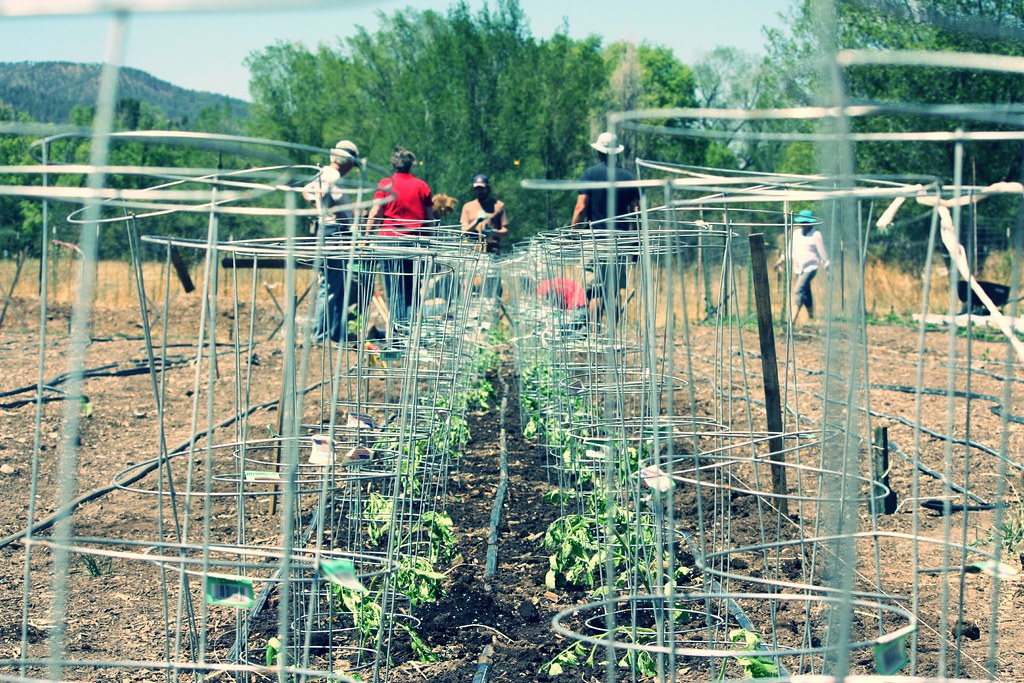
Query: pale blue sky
(205, 51)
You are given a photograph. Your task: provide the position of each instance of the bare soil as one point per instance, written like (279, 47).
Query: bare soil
(116, 610)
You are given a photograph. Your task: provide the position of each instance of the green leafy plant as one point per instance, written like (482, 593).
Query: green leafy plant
(95, 567)
(570, 656)
(481, 395)
(419, 646)
(439, 528)
(639, 661)
(754, 666)
(378, 514)
(86, 405)
(416, 579)
(458, 434)
(1009, 533)
(274, 653)
(366, 615)
(577, 555)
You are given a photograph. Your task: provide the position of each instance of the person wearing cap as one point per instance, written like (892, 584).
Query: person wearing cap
(486, 221)
(410, 210)
(806, 254)
(325, 193)
(485, 217)
(609, 273)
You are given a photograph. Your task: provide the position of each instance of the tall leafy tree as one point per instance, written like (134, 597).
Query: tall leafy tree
(731, 78)
(468, 92)
(651, 77)
(911, 99)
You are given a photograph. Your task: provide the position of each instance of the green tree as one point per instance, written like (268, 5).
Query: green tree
(651, 77)
(467, 92)
(730, 78)
(909, 96)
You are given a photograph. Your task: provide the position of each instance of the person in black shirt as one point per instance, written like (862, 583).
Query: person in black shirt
(592, 205)
(608, 267)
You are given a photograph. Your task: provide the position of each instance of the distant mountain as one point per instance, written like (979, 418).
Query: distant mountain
(47, 91)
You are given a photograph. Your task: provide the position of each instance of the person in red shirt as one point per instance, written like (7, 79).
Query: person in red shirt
(562, 293)
(565, 294)
(409, 212)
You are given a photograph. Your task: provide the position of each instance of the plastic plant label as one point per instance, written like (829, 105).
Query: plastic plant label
(891, 654)
(341, 573)
(359, 453)
(258, 476)
(322, 452)
(390, 354)
(359, 421)
(653, 476)
(230, 591)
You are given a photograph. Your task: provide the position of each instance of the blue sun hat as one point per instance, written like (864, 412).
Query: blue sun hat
(805, 216)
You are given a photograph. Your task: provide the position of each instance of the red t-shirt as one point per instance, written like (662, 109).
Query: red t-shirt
(409, 208)
(566, 293)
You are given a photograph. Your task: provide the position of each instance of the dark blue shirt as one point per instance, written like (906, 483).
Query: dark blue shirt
(597, 199)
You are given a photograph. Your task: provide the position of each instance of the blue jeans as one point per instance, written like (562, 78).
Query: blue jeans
(802, 294)
(400, 286)
(331, 316)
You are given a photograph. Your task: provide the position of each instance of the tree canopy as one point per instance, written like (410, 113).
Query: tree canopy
(475, 92)
(468, 93)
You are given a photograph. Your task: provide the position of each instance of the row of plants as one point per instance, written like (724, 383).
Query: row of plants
(610, 539)
(419, 577)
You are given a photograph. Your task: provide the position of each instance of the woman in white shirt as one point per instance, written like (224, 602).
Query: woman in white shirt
(806, 253)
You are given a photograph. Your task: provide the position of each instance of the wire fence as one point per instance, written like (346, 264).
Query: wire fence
(739, 493)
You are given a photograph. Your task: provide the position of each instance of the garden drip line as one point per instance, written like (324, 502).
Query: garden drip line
(491, 567)
(982, 503)
(942, 505)
(931, 473)
(73, 505)
(996, 408)
(138, 367)
(484, 664)
(930, 432)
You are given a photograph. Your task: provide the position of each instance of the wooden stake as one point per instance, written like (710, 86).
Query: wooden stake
(272, 506)
(14, 283)
(769, 367)
(890, 503)
(181, 270)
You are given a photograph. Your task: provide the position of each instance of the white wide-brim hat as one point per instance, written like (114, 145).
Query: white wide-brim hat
(608, 143)
(344, 150)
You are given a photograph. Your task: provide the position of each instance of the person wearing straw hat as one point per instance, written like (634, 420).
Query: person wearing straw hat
(325, 193)
(609, 273)
(806, 254)
(592, 204)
